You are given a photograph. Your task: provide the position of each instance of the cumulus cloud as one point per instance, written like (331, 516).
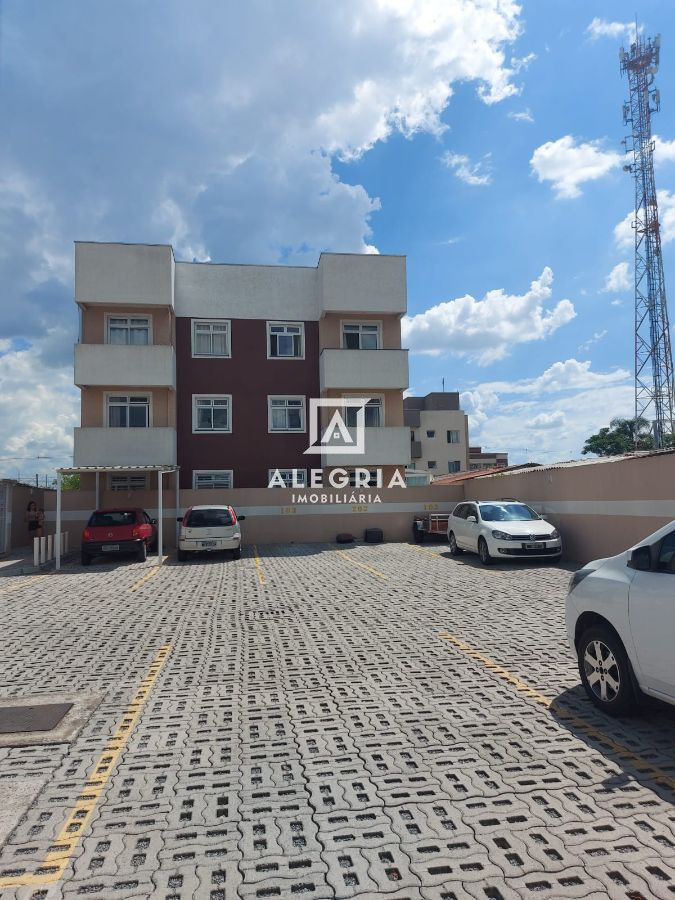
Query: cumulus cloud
(215, 128)
(618, 279)
(664, 151)
(486, 330)
(599, 28)
(549, 416)
(467, 171)
(568, 164)
(624, 234)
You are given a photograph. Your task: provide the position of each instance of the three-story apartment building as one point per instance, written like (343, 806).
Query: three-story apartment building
(211, 367)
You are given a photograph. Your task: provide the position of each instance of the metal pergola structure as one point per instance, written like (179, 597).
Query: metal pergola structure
(161, 470)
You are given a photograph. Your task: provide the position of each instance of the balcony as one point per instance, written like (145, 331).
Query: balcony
(121, 365)
(356, 369)
(124, 446)
(386, 446)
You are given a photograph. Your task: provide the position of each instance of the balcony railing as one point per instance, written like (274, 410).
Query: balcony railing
(124, 446)
(356, 369)
(385, 446)
(118, 365)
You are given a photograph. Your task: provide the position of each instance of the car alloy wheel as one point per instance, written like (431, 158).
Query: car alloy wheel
(483, 552)
(452, 540)
(602, 671)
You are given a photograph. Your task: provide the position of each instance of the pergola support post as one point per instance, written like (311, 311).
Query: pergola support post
(160, 518)
(58, 521)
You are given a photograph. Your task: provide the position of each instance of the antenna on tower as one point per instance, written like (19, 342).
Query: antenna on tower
(654, 389)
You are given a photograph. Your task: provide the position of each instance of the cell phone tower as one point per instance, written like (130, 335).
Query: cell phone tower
(654, 393)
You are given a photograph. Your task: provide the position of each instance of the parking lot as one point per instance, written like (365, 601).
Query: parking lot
(320, 722)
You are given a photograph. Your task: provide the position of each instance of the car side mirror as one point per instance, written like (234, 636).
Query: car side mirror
(641, 559)
(472, 519)
(240, 518)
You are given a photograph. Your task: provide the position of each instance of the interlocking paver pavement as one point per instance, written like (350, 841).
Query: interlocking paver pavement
(313, 734)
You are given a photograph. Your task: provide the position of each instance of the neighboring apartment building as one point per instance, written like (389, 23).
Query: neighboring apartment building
(211, 367)
(483, 460)
(439, 433)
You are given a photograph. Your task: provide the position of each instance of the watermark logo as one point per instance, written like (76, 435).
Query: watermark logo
(346, 431)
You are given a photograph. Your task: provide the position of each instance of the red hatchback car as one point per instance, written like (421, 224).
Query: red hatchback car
(111, 531)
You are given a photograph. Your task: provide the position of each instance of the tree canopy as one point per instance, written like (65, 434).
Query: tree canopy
(620, 437)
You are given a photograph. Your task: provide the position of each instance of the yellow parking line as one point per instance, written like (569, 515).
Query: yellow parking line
(64, 846)
(17, 587)
(361, 565)
(141, 581)
(641, 765)
(258, 565)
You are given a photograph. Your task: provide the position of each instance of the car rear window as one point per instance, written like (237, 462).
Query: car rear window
(108, 519)
(209, 518)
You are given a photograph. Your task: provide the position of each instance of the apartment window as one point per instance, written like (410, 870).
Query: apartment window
(127, 330)
(453, 466)
(211, 338)
(374, 416)
(285, 340)
(126, 483)
(360, 336)
(211, 413)
(431, 433)
(372, 480)
(431, 464)
(128, 412)
(220, 478)
(288, 476)
(453, 437)
(286, 413)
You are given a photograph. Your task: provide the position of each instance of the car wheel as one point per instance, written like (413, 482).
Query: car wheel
(236, 554)
(483, 552)
(605, 671)
(452, 540)
(143, 552)
(86, 559)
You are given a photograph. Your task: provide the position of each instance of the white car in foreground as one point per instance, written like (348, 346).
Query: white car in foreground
(621, 624)
(209, 528)
(502, 529)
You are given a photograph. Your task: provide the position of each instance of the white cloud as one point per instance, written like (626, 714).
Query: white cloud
(618, 279)
(595, 338)
(514, 416)
(523, 115)
(602, 28)
(664, 151)
(616, 303)
(487, 330)
(568, 164)
(624, 234)
(467, 171)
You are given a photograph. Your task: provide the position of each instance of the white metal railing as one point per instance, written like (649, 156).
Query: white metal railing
(44, 548)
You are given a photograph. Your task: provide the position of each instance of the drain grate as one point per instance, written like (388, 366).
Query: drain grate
(37, 717)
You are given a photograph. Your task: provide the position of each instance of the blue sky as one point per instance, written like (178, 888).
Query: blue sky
(481, 139)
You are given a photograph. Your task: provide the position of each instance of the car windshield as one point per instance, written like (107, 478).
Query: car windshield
(209, 518)
(510, 512)
(108, 519)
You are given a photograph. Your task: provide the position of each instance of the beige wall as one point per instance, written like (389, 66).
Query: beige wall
(94, 322)
(163, 407)
(22, 494)
(330, 330)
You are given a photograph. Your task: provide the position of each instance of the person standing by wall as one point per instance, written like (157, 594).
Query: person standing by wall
(33, 520)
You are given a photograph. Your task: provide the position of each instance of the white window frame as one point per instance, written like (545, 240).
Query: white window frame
(128, 317)
(361, 322)
(285, 322)
(196, 472)
(300, 474)
(271, 430)
(226, 322)
(456, 431)
(112, 476)
(432, 464)
(108, 394)
(196, 430)
(352, 477)
(430, 433)
(371, 395)
(451, 464)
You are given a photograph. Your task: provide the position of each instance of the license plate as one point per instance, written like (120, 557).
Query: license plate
(534, 546)
(106, 548)
(208, 543)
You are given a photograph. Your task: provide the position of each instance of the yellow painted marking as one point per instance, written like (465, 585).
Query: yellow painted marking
(137, 585)
(63, 848)
(361, 565)
(641, 765)
(258, 565)
(17, 587)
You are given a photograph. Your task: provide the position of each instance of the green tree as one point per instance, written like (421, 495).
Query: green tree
(620, 438)
(70, 481)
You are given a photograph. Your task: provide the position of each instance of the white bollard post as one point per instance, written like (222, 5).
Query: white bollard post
(50, 546)
(43, 549)
(36, 552)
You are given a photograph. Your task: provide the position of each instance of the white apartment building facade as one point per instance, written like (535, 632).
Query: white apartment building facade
(439, 433)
